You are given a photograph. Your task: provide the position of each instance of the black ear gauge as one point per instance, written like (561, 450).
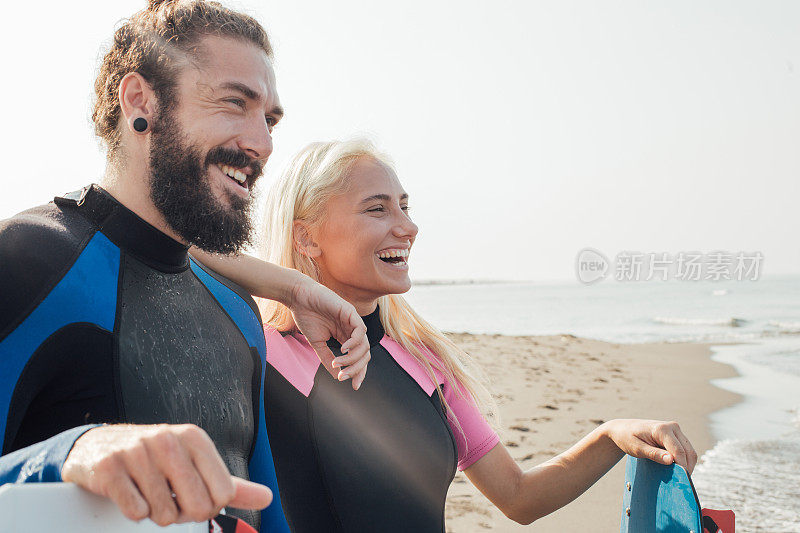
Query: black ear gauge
(140, 124)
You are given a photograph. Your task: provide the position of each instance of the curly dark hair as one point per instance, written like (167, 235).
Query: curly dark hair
(156, 42)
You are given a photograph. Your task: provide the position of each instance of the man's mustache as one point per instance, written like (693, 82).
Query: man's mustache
(235, 158)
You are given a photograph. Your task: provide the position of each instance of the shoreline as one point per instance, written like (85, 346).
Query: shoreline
(551, 390)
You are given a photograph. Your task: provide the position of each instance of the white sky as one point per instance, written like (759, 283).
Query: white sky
(523, 131)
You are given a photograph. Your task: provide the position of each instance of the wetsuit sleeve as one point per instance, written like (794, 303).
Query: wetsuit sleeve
(473, 434)
(40, 462)
(36, 249)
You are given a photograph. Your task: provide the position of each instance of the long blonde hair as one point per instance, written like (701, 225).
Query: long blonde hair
(316, 174)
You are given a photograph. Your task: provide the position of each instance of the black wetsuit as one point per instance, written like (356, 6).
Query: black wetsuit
(379, 459)
(104, 319)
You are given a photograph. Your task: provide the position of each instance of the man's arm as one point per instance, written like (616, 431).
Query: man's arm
(41, 462)
(168, 473)
(318, 312)
(36, 249)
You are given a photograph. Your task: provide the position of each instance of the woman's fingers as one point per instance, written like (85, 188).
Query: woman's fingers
(668, 439)
(645, 451)
(691, 454)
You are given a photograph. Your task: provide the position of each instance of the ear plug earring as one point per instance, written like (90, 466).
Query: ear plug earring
(140, 124)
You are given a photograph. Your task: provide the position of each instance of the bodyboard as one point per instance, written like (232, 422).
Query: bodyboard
(66, 508)
(659, 499)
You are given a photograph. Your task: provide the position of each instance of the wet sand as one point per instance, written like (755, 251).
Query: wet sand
(553, 390)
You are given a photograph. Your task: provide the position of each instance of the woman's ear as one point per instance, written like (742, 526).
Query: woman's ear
(304, 240)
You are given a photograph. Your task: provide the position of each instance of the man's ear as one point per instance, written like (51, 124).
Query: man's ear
(136, 100)
(304, 240)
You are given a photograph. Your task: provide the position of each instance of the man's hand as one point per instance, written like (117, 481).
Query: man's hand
(662, 442)
(168, 473)
(321, 314)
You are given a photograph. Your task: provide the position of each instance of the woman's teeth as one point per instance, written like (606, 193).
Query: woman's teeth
(400, 252)
(396, 257)
(231, 172)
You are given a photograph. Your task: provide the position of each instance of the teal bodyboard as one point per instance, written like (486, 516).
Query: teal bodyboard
(659, 499)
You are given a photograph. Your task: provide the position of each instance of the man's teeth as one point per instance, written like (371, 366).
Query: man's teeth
(231, 172)
(386, 254)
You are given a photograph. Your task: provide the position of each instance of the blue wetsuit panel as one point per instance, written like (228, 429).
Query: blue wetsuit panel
(69, 302)
(262, 469)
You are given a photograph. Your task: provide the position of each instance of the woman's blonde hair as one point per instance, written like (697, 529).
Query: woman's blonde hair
(315, 175)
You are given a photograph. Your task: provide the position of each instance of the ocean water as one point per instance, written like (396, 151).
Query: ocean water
(754, 326)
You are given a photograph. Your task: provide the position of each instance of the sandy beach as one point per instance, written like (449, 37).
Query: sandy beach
(551, 390)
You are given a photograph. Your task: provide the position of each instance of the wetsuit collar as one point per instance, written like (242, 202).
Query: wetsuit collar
(375, 330)
(127, 230)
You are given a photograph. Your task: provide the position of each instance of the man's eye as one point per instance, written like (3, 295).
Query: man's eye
(236, 101)
(376, 210)
(405, 208)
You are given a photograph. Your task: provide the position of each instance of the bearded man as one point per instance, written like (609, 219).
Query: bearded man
(125, 365)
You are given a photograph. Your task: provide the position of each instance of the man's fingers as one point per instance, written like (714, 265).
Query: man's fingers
(357, 368)
(358, 379)
(357, 335)
(123, 492)
(212, 469)
(249, 495)
(356, 354)
(153, 487)
(190, 490)
(352, 345)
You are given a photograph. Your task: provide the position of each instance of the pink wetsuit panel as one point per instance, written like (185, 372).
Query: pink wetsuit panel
(476, 436)
(294, 358)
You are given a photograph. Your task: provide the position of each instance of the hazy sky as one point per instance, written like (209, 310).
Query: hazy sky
(523, 131)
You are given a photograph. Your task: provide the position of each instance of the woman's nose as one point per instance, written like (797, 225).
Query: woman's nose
(406, 228)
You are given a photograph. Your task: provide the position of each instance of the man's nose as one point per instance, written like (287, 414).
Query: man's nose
(256, 140)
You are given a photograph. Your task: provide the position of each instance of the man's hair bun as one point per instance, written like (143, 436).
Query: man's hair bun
(153, 5)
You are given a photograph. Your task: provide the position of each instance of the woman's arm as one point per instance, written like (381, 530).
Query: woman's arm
(528, 496)
(318, 312)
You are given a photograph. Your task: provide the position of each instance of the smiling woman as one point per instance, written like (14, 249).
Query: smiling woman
(382, 458)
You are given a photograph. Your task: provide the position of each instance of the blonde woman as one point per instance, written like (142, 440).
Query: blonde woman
(382, 458)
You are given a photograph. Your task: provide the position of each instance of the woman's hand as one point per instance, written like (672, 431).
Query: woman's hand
(662, 442)
(320, 314)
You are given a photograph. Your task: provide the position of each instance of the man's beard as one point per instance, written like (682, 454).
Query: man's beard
(181, 190)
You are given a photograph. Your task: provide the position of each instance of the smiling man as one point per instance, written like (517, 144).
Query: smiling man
(125, 365)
